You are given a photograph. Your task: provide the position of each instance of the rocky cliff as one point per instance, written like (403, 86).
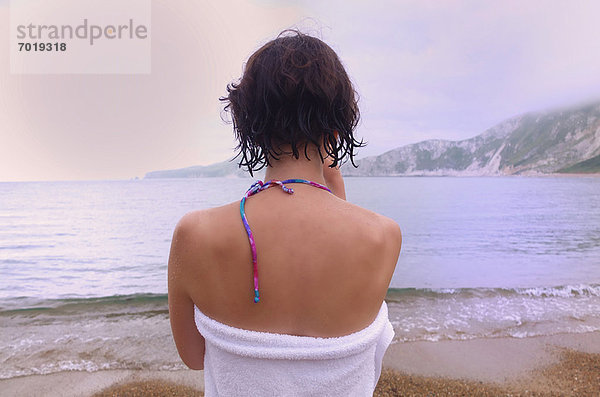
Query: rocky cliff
(547, 142)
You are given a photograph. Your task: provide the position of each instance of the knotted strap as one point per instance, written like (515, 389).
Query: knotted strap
(257, 187)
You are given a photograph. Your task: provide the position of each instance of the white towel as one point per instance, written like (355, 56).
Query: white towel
(239, 362)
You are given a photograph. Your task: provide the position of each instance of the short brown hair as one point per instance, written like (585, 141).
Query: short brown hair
(294, 91)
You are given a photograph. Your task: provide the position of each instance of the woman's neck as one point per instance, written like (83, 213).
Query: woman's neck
(288, 167)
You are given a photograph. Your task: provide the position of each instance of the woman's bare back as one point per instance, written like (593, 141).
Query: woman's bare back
(324, 264)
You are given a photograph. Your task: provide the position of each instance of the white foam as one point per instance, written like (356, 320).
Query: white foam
(483, 313)
(562, 291)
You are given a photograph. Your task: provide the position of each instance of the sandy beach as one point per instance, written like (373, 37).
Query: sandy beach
(566, 364)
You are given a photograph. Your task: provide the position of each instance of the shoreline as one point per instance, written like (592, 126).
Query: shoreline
(496, 360)
(248, 177)
(490, 364)
(524, 175)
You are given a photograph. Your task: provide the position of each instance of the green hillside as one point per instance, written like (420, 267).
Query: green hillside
(588, 166)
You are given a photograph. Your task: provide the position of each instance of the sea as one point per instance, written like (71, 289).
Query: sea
(83, 264)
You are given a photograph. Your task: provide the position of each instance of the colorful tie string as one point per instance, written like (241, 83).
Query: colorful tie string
(257, 187)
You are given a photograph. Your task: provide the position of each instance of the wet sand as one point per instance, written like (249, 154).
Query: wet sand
(574, 374)
(567, 364)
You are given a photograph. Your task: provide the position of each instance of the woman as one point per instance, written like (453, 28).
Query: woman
(283, 292)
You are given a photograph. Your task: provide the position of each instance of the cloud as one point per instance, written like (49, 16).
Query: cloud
(455, 65)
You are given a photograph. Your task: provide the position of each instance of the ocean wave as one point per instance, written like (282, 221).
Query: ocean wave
(16, 305)
(85, 344)
(437, 337)
(467, 313)
(25, 246)
(16, 262)
(85, 366)
(20, 304)
(563, 291)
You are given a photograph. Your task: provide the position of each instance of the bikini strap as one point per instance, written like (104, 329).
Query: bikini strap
(257, 187)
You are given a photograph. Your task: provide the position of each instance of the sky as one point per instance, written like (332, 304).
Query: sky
(423, 70)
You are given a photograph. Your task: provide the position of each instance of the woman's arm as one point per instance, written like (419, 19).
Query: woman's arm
(189, 342)
(333, 179)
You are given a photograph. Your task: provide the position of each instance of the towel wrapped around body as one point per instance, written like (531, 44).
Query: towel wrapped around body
(239, 362)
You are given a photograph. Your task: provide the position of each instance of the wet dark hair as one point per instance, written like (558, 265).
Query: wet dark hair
(294, 91)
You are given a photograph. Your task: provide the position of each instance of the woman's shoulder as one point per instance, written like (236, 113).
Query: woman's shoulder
(201, 227)
(385, 227)
(374, 236)
(197, 220)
